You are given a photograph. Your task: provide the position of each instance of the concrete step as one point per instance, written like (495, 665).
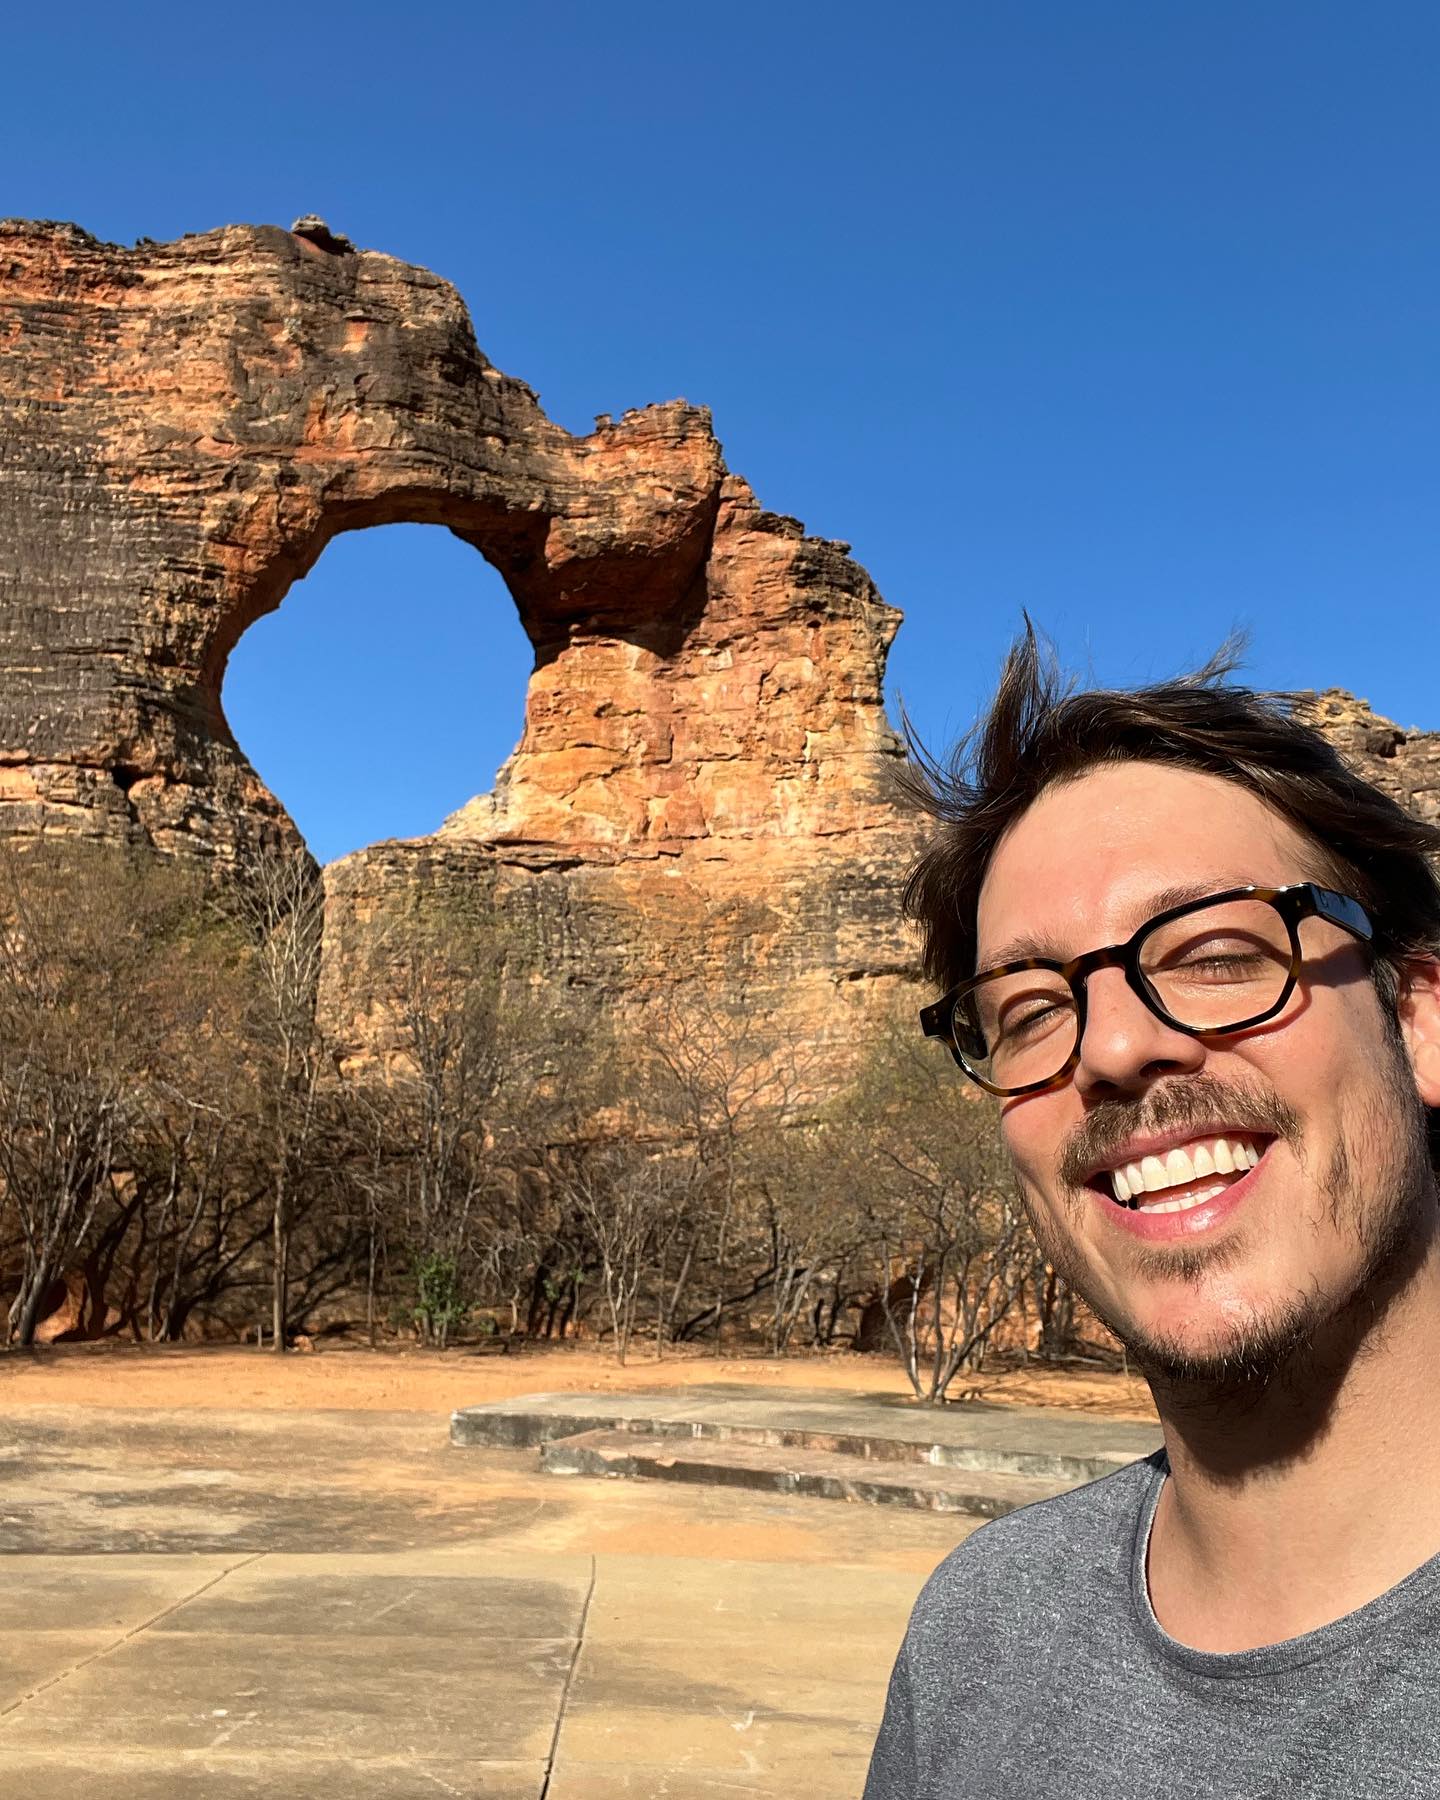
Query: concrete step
(1056, 1447)
(821, 1473)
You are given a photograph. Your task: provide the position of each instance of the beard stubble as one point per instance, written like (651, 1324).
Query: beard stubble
(1385, 1220)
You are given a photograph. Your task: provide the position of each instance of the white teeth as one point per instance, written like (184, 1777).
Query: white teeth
(1180, 1167)
(1168, 1206)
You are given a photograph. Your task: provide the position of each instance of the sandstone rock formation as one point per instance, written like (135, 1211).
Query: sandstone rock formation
(184, 427)
(1405, 763)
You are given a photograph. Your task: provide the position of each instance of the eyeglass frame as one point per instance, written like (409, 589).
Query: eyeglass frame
(1301, 900)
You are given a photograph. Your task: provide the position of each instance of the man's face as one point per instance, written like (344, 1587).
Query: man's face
(1322, 1095)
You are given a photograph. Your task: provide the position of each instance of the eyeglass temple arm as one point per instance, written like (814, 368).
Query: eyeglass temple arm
(1341, 910)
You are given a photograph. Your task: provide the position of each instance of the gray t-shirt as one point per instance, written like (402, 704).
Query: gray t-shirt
(1034, 1666)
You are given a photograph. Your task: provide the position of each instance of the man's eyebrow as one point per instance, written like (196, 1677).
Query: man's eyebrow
(1029, 944)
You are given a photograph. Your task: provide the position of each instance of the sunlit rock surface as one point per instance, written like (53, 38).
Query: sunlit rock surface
(184, 427)
(701, 781)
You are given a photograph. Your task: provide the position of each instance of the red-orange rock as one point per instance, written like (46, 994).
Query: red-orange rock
(186, 427)
(702, 774)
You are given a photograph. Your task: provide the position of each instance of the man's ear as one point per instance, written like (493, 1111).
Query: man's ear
(1418, 1007)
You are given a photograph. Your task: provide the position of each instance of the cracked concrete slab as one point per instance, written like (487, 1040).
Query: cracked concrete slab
(31, 1659)
(743, 1603)
(534, 1599)
(189, 1776)
(779, 1753)
(741, 1674)
(397, 1618)
(98, 1593)
(198, 1691)
(694, 1678)
(838, 1777)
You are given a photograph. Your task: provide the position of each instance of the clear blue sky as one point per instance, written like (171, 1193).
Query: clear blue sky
(1122, 312)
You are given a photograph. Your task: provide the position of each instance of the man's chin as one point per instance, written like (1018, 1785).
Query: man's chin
(1248, 1357)
(1220, 1349)
(1219, 1325)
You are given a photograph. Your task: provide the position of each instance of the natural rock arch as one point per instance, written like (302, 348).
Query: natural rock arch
(184, 427)
(385, 690)
(188, 425)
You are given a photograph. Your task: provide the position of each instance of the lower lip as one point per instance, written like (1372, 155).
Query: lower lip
(1167, 1227)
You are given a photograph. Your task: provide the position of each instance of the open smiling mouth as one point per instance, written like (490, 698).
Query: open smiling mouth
(1186, 1176)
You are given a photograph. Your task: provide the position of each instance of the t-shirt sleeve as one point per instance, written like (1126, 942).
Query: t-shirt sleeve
(894, 1772)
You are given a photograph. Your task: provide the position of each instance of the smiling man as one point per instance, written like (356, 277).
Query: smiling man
(1195, 957)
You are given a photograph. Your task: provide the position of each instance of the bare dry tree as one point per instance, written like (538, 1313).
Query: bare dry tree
(467, 1090)
(279, 902)
(84, 933)
(949, 1242)
(625, 1194)
(807, 1229)
(720, 1073)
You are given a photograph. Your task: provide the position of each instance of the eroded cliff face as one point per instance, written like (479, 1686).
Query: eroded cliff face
(1406, 764)
(701, 782)
(184, 427)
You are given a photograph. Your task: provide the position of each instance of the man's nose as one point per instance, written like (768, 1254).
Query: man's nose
(1124, 1041)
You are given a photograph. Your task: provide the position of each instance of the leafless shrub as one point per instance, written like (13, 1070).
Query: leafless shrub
(949, 1244)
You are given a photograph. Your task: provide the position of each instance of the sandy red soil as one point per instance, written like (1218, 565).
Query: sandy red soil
(413, 1380)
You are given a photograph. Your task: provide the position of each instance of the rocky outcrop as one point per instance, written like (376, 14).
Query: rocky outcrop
(701, 777)
(184, 427)
(1405, 763)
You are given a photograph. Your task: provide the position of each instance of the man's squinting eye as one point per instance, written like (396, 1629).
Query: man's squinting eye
(1032, 1017)
(1218, 958)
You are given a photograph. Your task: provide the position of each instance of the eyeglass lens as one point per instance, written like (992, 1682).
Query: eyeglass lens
(1210, 970)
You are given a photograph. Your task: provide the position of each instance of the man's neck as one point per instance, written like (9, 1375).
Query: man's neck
(1291, 1506)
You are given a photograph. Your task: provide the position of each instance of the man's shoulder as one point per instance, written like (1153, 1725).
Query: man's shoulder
(1043, 1555)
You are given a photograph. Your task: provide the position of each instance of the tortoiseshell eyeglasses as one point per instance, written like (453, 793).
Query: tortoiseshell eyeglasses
(1215, 965)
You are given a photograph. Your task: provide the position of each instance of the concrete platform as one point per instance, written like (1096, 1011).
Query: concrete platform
(299, 1606)
(567, 1678)
(826, 1446)
(285, 1606)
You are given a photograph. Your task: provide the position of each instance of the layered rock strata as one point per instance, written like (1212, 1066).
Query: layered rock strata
(701, 778)
(183, 429)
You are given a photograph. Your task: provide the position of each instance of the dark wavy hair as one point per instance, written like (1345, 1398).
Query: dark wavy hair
(1041, 728)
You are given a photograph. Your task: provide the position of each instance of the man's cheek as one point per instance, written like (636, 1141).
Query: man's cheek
(1047, 1220)
(1023, 1153)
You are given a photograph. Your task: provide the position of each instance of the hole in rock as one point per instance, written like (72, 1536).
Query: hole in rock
(385, 690)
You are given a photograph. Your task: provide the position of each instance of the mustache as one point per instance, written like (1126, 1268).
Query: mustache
(1202, 1101)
